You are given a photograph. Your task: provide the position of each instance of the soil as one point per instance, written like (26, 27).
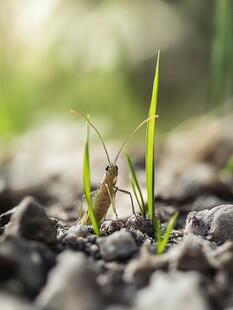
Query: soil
(47, 262)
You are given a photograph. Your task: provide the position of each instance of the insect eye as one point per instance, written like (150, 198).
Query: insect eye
(107, 168)
(116, 168)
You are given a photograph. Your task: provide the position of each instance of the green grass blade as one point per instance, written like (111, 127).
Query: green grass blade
(158, 230)
(163, 242)
(87, 187)
(136, 194)
(229, 164)
(150, 133)
(135, 185)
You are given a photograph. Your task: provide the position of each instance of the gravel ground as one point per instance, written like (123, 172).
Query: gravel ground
(48, 263)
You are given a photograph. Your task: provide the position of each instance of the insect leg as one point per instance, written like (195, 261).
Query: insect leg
(112, 198)
(127, 192)
(81, 211)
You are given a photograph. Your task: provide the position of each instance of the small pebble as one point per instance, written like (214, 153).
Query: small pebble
(119, 245)
(108, 227)
(78, 231)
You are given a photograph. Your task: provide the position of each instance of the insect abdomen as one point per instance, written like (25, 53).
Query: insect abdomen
(101, 202)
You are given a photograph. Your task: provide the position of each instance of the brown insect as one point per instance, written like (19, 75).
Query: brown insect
(104, 195)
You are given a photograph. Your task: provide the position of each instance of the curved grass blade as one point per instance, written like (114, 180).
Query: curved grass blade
(161, 245)
(86, 184)
(135, 185)
(150, 133)
(136, 194)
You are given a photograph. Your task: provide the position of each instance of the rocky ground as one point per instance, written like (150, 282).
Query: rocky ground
(48, 263)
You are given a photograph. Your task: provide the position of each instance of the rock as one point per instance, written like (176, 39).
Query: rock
(215, 224)
(191, 254)
(31, 222)
(139, 270)
(73, 243)
(173, 291)
(5, 217)
(119, 245)
(71, 285)
(11, 302)
(137, 222)
(24, 265)
(112, 284)
(218, 256)
(141, 238)
(223, 259)
(78, 238)
(108, 227)
(61, 226)
(78, 231)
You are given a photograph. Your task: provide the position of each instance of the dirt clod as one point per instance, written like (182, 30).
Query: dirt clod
(137, 222)
(214, 224)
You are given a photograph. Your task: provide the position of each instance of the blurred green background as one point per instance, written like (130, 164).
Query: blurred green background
(99, 57)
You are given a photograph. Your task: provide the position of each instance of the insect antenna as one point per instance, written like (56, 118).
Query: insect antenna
(132, 133)
(87, 120)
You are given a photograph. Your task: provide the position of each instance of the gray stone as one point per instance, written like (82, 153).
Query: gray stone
(10, 302)
(24, 265)
(78, 231)
(119, 245)
(31, 222)
(110, 226)
(71, 285)
(77, 238)
(191, 254)
(173, 291)
(215, 224)
(5, 217)
(139, 270)
(223, 259)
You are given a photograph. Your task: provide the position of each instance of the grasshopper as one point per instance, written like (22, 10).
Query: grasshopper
(104, 195)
